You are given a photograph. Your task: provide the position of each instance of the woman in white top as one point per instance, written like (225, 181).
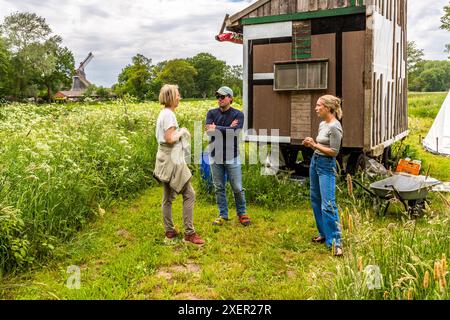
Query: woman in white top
(322, 172)
(170, 167)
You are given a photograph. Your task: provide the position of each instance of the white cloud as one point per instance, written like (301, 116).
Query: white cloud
(423, 27)
(116, 30)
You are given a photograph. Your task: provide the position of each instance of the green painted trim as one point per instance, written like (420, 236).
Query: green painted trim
(305, 15)
(301, 56)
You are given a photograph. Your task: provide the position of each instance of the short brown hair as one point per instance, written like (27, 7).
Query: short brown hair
(168, 94)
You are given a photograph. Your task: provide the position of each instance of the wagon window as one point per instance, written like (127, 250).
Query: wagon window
(303, 75)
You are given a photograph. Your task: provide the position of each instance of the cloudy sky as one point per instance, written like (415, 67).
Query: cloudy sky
(116, 30)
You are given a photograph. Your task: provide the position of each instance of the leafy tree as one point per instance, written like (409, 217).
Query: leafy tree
(181, 73)
(157, 83)
(89, 92)
(415, 55)
(103, 93)
(5, 66)
(414, 62)
(445, 25)
(24, 29)
(38, 61)
(431, 76)
(100, 92)
(445, 20)
(60, 67)
(199, 76)
(210, 74)
(25, 33)
(233, 79)
(135, 79)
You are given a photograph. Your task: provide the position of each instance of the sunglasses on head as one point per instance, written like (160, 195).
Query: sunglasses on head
(220, 96)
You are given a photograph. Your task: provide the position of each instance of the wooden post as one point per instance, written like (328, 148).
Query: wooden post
(224, 23)
(428, 171)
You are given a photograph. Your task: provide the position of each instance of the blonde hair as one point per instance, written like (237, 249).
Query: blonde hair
(334, 104)
(168, 95)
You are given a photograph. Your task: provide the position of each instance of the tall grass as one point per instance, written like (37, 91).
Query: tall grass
(410, 257)
(61, 166)
(425, 105)
(396, 256)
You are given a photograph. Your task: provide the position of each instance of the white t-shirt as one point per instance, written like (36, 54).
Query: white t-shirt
(166, 120)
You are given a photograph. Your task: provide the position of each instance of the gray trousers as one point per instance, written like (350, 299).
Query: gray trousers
(188, 207)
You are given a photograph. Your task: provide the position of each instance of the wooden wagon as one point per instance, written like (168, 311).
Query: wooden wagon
(297, 50)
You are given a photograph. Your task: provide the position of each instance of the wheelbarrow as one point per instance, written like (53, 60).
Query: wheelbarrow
(410, 190)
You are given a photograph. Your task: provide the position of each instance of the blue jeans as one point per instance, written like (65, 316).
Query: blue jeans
(232, 168)
(323, 200)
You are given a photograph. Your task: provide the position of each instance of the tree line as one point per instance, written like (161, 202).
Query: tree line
(426, 75)
(34, 64)
(197, 77)
(429, 75)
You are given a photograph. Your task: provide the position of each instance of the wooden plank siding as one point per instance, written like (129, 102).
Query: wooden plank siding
(277, 114)
(264, 56)
(353, 88)
(323, 46)
(277, 7)
(388, 115)
(369, 84)
(300, 117)
(271, 110)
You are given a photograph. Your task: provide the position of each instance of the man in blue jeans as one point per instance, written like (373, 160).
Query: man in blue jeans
(223, 125)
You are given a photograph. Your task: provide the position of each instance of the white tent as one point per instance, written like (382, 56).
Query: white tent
(438, 138)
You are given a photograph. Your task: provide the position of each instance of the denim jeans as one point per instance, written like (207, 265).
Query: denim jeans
(232, 169)
(323, 200)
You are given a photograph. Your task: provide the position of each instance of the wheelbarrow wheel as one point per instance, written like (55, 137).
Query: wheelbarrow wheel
(416, 207)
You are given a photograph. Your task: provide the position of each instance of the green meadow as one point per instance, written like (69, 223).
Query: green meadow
(80, 218)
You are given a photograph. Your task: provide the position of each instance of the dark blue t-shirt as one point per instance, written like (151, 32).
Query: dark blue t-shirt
(229, 136)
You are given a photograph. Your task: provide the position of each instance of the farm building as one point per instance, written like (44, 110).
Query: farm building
(298, 50)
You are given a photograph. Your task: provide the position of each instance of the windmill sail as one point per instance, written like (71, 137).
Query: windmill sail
(79, 81)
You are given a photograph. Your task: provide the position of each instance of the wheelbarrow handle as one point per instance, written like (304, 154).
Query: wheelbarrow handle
(397, 194)
(395, 191)
(362, 186)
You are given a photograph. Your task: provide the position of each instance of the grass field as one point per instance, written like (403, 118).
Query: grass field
(120, 254)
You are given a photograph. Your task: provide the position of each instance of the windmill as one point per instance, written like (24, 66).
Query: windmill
(79, 82)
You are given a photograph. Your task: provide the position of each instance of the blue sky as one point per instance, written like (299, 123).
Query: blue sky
(116, 30)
